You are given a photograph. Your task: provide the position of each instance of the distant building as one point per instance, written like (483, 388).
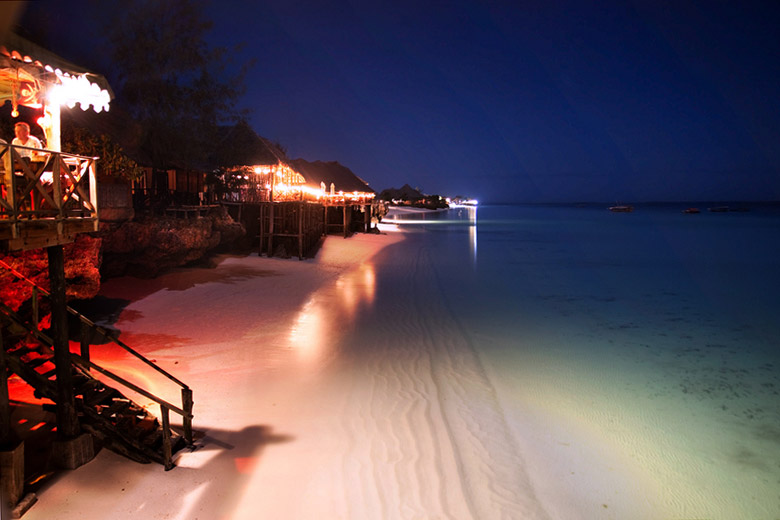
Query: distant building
(331, 182)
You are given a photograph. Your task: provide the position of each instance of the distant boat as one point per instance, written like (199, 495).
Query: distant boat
(621, 209)
(691, 211)
(718, 209)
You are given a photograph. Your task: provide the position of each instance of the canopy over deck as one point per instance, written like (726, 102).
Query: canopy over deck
(35, 77)
(31, 75)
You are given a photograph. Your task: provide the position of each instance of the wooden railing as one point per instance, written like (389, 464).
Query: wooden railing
(87, 326)
(44, 184)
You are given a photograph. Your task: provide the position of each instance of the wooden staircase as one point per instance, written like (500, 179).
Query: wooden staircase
(113, 419)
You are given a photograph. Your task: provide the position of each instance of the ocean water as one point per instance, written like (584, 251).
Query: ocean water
(632, 360)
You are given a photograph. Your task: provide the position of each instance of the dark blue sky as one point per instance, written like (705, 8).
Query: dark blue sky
(523, 100)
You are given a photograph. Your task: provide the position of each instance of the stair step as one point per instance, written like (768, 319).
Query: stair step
(117, 407)
(154, 439)
(17, 347)
(126, 425)
(79, 378)
(143, 429)
(36, 362)
(100, 396)
(84, 385)
(49, 373)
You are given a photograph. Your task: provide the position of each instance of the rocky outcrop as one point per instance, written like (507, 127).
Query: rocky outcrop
(82, 275)
(144, 247)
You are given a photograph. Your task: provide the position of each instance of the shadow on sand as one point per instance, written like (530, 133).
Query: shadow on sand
(209, 479)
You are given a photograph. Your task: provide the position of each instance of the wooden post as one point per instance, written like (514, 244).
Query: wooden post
(166, 440)
(5, 406)
(262, 232)
(85, 332)
(325, 222)
(270, 251)
(93, 192)
(345, 219)
(67, 420)
(35, 311)
(186, 401)
(300, 230)
(9, 180)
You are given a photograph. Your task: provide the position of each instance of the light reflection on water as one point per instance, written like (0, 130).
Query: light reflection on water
(455, 218)
(329, 313)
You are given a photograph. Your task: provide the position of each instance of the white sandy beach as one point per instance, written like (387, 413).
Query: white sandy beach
(314, 399)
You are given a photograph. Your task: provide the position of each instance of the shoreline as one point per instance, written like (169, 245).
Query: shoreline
(167, 320)
(332, 378)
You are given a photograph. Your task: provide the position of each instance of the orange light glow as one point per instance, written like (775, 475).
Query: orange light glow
(245, 465)
(329, 313)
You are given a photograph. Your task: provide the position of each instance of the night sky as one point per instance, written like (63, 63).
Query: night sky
(523, 101)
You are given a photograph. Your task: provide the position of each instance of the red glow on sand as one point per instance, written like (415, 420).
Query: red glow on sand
(245, 465)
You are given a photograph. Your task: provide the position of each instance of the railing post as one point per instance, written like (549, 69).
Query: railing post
(186, 404)
(57, 186)
(166, 440)
(93, 192)
(85, 333)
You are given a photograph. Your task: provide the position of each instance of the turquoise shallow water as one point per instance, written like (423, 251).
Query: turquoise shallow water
(663, 323)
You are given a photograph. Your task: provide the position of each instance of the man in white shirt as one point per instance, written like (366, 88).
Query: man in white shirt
(23, 138)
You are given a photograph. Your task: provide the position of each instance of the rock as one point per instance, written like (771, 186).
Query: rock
(143, 248)
(82, 275)
(147, 246)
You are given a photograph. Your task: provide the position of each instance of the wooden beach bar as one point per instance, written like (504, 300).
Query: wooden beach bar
(47, 198)
(288, 206)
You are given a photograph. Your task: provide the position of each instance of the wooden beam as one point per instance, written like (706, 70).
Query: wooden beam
(262, 232)
(300, 230)
(67, 420)
(325, 222)
(270, 251)
(5, 407)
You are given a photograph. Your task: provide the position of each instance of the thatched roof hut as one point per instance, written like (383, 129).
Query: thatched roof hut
(241, 146)
(318, 174)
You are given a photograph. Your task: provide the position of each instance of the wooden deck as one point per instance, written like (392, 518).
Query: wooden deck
(46, 200)
(296, 228)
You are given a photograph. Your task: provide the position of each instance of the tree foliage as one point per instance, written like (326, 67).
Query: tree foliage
(169, 80)
(113, 161)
